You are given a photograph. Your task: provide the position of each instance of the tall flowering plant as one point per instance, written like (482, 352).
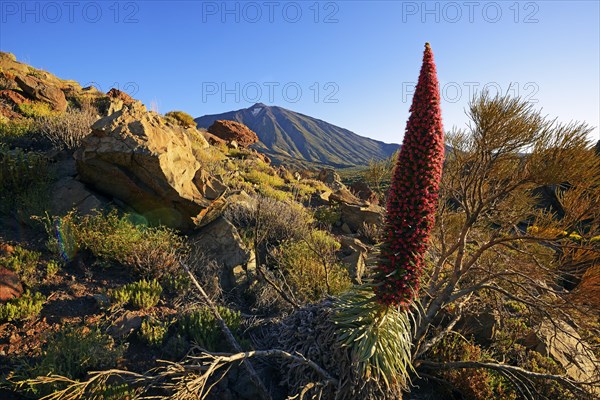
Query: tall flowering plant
(413, 195)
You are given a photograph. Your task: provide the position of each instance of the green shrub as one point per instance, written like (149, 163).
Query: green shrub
(182, 118)
(36, 109)
(150, 252)
(24, 263)
(72, 352)
(153, 332)
(52, 269)
(177, 284)
(275, 194)
(239, 153)
(262, 178)
(12, 130)
(212, 160)
(202, 327)
(25, 307)
(142, 294)
(19, 170)
(476, 384)
(302, 191)
(311, 267)
(25, 180)
(328, 215)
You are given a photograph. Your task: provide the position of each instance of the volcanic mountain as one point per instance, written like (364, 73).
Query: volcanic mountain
(289, 137)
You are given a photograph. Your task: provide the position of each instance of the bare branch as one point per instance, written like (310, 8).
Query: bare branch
(576, 387)
(264, 393)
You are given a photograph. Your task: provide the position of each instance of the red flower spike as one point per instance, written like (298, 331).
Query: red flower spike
(413, 195)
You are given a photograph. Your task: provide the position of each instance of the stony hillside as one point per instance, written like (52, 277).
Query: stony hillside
(290, 137)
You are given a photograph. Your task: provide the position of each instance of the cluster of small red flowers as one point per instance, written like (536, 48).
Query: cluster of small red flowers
(413, 195)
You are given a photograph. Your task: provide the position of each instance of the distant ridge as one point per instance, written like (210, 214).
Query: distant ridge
(288, 137)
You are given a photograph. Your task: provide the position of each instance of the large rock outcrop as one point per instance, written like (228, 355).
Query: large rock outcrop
(37, 89)
(231, 131)
(150, 165)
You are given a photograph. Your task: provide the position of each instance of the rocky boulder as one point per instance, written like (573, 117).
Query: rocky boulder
(354, 253)
(113, 101)
(221, 241)
(12, 98)
(364, 192)
(8, 62)
(7, 112)
(233, 131)
(355, 215)
(10, 285)
(331, 178)
(212, 139)
(150, 165)
(68, 194)
(117, 94)
(39, 90)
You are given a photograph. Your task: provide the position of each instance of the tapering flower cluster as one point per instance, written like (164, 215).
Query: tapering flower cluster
(413, 195)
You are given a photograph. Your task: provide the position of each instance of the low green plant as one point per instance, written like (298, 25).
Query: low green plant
(52, 269)
(202, 328)
(142, 294)
(24, 263)
(73, 351)
(25, 179)
(25, 307)
(36, 72)
(239, 153)
(36, 109)
(302, 191)
(182, 118)
(212, 160)
(328, 215)
(177, 284)
(262, 178)
(150, 252)
(372, 233)
(311, 267)
(153, 332)
(11, 130)
(20, 169)
(276, 194)
(176, 346)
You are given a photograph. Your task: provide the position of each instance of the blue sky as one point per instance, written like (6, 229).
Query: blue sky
(351, 63)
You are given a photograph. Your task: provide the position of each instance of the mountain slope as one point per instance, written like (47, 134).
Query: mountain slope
(287, 137)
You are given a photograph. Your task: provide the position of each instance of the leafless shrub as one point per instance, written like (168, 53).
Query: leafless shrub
(67, 130)
(206, 271)
(268, 221)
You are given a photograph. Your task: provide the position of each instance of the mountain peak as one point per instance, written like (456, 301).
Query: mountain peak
(291, 138)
